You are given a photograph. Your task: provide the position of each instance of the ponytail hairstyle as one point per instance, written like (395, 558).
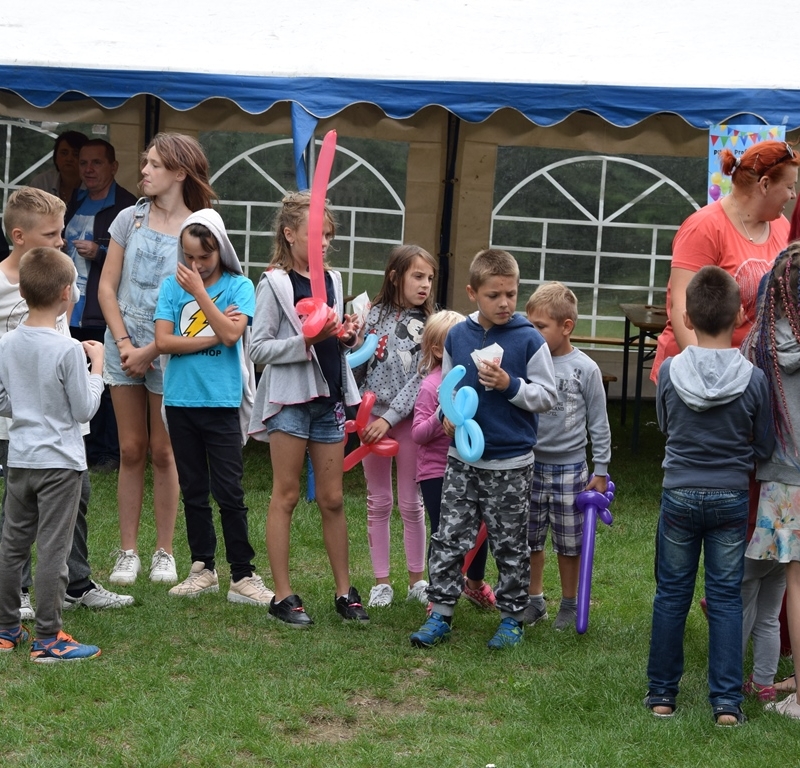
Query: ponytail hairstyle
(778, 299)
(293, 211)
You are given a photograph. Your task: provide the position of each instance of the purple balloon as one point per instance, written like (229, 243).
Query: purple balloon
(593, 504)
(714, 191)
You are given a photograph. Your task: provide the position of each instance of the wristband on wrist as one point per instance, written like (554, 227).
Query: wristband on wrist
(121, 338)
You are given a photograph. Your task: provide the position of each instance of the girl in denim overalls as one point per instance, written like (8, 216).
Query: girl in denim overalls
(142, 253)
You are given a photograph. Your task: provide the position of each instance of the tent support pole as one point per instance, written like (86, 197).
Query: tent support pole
(450, 180)
(152, 117)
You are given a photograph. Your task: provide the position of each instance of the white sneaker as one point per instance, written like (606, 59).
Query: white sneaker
(788, 707)
(250, 590)
(162, 568)
(418, 592)
(199, 580)
(380, 596)
(127, 567)
(26, 612)
(97, 597)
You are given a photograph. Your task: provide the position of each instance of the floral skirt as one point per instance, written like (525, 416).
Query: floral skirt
(777, 533)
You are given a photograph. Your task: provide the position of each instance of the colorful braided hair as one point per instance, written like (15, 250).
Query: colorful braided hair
(778, 298)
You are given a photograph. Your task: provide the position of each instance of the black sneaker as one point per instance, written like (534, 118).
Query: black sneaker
(291, 612)
(349, 607)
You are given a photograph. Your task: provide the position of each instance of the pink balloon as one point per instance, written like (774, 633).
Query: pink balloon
(470, 556)
(354, 457)
(315, 309)
(386, 446)
(314, 314)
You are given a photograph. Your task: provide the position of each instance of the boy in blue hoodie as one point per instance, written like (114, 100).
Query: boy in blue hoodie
(496, 487)
(713, 407)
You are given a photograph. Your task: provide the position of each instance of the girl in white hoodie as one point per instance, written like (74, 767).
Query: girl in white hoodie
(201, 316)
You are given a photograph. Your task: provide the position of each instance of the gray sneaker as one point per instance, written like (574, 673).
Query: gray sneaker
(533, 615)
(565, 618)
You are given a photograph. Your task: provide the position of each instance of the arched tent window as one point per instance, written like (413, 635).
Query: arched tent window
(366, 190)
(28, 150)
(601, 224)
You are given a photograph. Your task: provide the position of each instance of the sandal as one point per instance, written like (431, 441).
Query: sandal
(790, 684)
(728, 711)
(651, 701)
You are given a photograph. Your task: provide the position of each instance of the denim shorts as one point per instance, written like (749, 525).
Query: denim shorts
(114, 376)
(320, 421)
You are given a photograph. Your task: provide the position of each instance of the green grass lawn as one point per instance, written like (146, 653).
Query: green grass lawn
(207, 683)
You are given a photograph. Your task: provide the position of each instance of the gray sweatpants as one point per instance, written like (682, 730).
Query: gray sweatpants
(41, 506)
(78, 561)
(763, 585)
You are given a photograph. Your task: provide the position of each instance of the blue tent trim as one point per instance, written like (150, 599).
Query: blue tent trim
(543, 104)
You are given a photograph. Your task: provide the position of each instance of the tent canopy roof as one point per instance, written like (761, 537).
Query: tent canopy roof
(472, 57)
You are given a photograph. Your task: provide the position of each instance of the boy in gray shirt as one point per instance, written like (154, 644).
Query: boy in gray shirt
(560, 472)
(47, 391)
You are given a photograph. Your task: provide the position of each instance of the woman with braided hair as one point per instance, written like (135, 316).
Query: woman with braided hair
(773, 344)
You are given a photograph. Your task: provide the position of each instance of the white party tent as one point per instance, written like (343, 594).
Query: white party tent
(568, 132)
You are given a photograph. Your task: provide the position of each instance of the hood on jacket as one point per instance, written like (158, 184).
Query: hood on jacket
(210, 219)
(705, 378)
(516, 320)
(787, 347)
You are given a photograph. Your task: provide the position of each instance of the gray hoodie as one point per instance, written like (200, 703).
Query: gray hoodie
(784, 464)
(713, 407)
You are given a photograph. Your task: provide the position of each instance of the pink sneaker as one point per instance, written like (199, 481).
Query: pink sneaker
(762, 692)
(483, 596)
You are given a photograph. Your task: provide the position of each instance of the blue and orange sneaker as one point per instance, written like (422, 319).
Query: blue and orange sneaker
(13, 638)
(432, 632)
(509, 633)
(47, 650)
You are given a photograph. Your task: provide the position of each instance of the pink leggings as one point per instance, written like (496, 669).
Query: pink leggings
(378, 472)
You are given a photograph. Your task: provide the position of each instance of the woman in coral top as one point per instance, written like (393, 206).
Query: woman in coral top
(742, 233)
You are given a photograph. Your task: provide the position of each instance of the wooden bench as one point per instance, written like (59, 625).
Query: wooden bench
(607, 379)
(609, 341)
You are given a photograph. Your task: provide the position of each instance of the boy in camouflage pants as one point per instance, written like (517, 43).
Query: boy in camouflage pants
(496, 487)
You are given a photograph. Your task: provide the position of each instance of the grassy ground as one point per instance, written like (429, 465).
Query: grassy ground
(208, 683)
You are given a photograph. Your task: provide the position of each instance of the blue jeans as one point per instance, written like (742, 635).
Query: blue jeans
(715, 520)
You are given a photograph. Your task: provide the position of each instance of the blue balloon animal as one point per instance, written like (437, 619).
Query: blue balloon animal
(459, 409)
(364, 352)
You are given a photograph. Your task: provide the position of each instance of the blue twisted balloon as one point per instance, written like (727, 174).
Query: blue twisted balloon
(364, 352)
(459, 409)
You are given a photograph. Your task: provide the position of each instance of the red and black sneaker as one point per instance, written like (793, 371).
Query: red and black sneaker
(349, 607)
(291, 612)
